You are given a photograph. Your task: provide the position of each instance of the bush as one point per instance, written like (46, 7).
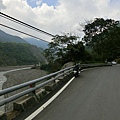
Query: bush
(118, 60)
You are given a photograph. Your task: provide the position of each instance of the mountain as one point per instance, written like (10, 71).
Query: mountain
(38, 43)
(16, 51)
(20, 54)
(4, 37)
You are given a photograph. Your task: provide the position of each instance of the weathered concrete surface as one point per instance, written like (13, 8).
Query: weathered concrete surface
(29, 100)
(50, 86)
(24, 103)
(3, 116)
(41, 94)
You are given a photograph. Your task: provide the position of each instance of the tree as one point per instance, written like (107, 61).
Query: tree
(102, 36)
(64, 49)
(76, 51)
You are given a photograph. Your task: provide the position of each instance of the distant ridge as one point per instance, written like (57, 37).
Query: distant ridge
(38, 43)
(5, 37)
(16, 51)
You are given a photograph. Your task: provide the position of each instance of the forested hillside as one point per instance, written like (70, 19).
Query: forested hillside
(20, 54)
(38, 43)
(4, 37)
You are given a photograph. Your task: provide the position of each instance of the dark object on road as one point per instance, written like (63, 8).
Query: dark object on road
(76, 70)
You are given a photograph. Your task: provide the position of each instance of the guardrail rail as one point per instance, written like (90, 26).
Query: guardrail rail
(41, 82)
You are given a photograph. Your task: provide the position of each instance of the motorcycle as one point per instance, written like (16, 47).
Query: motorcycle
(76, 70)
(76, 73)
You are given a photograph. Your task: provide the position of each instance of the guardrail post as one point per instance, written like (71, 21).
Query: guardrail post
(31, 86)
(63, 73)
(52, 78)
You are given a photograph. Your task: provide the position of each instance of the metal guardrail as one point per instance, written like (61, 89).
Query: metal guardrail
(84, 66)
(51, 77)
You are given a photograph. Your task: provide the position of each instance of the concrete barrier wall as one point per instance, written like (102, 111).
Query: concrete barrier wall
(31, 99)
(27, 101)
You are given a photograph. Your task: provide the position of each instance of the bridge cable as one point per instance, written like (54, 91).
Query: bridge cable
(22, 32)
(24, 24)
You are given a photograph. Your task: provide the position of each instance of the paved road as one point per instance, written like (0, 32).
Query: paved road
(94, 95)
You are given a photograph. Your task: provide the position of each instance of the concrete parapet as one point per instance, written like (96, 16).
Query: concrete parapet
(24, 103)
(41, 94)
(61, 78)
(58, 81)
(51, 86)
(3, 116)
(29, 100)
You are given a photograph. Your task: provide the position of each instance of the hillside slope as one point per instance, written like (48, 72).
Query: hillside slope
(4, 37)
(38, 43)
(20, 54)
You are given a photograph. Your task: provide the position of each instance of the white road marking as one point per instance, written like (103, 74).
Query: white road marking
(48, 102)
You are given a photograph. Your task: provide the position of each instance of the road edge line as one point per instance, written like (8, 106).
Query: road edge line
(34, 114)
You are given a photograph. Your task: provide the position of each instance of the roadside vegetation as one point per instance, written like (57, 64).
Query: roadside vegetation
(101, 43)
(12, 54)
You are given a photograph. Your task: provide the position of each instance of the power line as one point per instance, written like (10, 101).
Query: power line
(24, 24)
(22, 32)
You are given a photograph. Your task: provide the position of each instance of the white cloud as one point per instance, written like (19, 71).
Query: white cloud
(1, 5)
(38, 2)
(64, 17)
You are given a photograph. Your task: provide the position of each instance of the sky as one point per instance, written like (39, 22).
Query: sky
(56, 16)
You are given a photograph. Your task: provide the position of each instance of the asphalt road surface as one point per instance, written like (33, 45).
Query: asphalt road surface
(94, 95)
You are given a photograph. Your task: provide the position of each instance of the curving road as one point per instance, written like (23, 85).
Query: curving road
(94, 95)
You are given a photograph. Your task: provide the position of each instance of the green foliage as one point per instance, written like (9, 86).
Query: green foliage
(64, 49)
(51, 67)
(102, 40)
(17, 54)
(98, 26)
(75, 51)
(118, 60)
(103, 36)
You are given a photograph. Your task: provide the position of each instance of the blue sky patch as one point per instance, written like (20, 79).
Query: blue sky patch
(33, 3)
(50, 2)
